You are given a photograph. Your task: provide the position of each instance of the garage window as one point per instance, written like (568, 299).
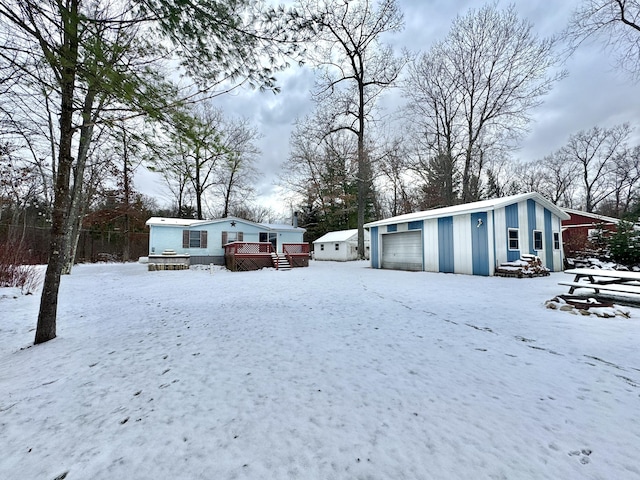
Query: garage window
(514, 239)
(556, 241)
(537, 240)
(337, 246)
(322, 247)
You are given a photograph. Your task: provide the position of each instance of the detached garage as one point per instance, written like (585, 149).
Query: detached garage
(472, 238)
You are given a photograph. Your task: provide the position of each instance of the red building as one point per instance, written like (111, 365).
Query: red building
(576, 230)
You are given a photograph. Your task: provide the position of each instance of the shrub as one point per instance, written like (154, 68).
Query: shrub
(624, 244)
(17, 268)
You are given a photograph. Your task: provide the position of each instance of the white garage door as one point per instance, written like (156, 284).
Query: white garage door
(402, 251)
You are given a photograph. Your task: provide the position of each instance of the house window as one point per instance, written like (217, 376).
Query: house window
(556, 241)
(514, 240)
(194, 239)
(337, 246)
(322, 247)
(228, 237)
(537, 240)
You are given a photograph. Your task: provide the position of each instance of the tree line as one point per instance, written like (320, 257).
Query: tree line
(468, 104)
(92, 90)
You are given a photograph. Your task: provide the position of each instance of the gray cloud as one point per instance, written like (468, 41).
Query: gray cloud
(592, 94)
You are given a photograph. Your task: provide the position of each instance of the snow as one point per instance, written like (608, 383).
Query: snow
(341, 236)
(336, 371)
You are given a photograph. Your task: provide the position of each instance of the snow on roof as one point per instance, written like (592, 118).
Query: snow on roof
(595, 216)
(339, 236)
(481, 206)
(190, 222)
(282, 226)
(181, 222)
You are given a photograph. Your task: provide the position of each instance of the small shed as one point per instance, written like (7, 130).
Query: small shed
(340, 246)
(471, 238)
(204, 240)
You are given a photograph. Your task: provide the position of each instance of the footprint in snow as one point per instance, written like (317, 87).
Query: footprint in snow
(583, 454)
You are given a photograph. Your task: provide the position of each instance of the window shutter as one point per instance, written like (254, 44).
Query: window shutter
(185, 239)
(239, 236)
(224, 238)
(203, 239)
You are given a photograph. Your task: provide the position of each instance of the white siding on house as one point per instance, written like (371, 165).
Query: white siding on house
(500, 229)
(523, 221)
(329, 251)
(462, 248)
(491, 241)
(348, 245)
(540, 226)
(556, 226)
(431, 253)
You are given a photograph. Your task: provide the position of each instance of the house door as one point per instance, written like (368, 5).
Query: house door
(271, 238)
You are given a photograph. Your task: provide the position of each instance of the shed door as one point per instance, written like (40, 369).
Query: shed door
(402, 251)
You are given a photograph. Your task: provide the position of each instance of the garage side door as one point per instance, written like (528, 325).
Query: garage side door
(402, 251)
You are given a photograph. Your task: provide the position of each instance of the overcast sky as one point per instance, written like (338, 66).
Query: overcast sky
(592, 94)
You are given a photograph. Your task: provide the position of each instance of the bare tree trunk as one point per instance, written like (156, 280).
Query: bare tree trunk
(363, 173)
(126, 249)
(77, 206)
(46, 326)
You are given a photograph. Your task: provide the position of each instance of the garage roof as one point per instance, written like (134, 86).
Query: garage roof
(482, 206)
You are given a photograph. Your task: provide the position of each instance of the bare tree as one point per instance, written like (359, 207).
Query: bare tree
(92, 53)
(356, 69)
(433, 110)
(236, 171)
(593, 153)
(396, 178)
(322, 169)
(626, 178)
(479, 86)
(617, 23)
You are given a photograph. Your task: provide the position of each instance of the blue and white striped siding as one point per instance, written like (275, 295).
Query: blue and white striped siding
(457, 244)
(374, 250)
(431, 250)
(527, 216)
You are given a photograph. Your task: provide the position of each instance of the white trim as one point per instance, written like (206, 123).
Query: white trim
(482, 206)
(509, 230)
(541, 249)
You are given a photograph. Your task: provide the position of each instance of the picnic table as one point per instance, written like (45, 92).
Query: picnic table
(616, 281)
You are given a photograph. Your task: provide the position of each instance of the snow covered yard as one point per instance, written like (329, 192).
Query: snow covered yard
(335, 371)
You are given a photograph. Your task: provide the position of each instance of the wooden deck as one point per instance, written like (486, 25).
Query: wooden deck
(247, 256)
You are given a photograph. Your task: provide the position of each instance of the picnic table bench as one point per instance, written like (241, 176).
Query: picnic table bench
(619, 281)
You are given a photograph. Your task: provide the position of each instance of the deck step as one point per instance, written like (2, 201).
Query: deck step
(280, 261)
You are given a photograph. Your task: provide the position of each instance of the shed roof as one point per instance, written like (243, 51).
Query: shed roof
(190, 223)
(339, 236)
(482, 206)
(594, 216)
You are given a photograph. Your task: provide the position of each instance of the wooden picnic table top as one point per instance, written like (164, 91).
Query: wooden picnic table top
(624, 275)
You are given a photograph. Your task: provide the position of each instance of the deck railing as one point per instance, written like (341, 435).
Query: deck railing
(295, 248)
(297, 254)
(248, 248)
(257, 255)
